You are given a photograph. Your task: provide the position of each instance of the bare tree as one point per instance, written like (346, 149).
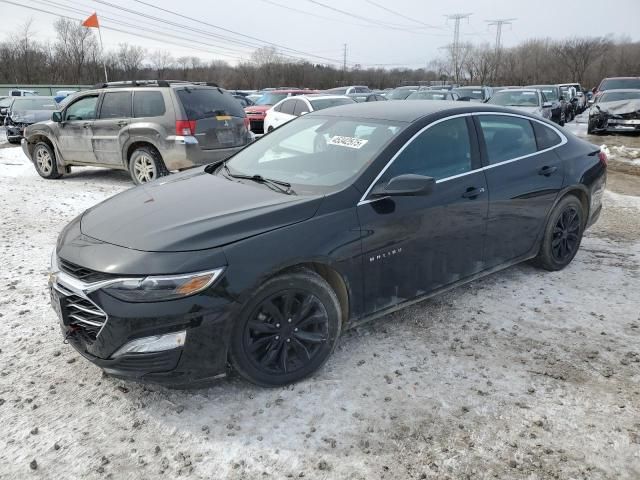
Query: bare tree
(161, 61)
(75, 47)
(578, 53)
(130, 59)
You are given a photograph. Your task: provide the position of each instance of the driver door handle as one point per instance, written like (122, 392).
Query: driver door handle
(122, 123)
(472, 192)
(546, 170)
(86, 125)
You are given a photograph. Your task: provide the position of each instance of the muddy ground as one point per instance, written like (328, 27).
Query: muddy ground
(522, 375)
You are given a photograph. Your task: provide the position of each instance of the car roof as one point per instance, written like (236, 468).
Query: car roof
(315, 96)
(407, 111)
(293, 90)
(530, 89)
(620, 78)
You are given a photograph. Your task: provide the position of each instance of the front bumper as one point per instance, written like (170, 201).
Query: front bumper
(97, 325)
(15, 132)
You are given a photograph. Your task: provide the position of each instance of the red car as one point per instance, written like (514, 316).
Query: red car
(258, 111)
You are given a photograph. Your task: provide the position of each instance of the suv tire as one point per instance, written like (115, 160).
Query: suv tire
(145, 165)
(287, 330)
(45, 161)
(562, 235)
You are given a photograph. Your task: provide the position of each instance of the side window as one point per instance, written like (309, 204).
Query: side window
(300, 108)
(148, 104)
(116, 105)
(545, 136)
(441, 151)
(277, 108)
(83, 109)
(288, 107)
(507, 137)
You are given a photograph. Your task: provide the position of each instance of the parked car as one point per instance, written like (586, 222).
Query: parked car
(25, 111)
(401, 93)
(5, 102)
(560, 109)
(617, 83)
(367, 97)
(258, 110)
(433, 95)
(290, 108)
(579, 100)
(348, 90)
(243, 100)
(615, 111)
(333, 219)
(474, 94)
(62, 94)
(525, 100)
(22, 93)
(148, 128)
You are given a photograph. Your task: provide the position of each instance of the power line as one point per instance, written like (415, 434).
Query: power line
(498, 23)
(406, 17)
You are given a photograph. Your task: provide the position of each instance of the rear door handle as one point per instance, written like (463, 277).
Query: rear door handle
(546, 171)
(86, 125)
(473, 192)
(122, 123)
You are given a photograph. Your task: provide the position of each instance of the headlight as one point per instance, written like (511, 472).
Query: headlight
(161, 288)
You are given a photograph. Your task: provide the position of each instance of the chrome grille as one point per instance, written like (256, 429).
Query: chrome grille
(82, 314)
(82, 273)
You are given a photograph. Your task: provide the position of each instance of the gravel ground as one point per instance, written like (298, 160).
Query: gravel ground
(522, 375)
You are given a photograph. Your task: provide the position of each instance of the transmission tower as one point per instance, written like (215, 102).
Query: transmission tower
(498, 23)
(456, 17)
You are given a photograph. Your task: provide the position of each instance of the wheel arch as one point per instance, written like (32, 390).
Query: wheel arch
(133, 146)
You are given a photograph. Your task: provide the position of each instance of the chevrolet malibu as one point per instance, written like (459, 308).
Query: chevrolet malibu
(260, 262)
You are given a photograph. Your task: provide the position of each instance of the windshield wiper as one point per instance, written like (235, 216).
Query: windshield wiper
(276, 185)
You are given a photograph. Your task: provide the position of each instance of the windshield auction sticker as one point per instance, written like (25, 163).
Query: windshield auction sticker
(350, 142)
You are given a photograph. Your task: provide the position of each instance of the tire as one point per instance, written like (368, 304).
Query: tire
(562, 235)
(270, 129)
(45, 161)
(287, 330)
(145, 165)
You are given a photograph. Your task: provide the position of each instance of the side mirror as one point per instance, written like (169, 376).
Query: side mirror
(3, 111)
(406, 185)
(547, 105)
(56, 117)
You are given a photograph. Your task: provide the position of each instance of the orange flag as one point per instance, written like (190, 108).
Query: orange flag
(92, 21)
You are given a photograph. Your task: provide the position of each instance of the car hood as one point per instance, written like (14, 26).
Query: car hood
(30, 116)
(257, 109)
(193, 210)
(620, 107)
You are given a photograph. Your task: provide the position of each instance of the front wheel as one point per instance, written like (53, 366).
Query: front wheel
(45, 161)
(145, 165)
(562, 235)
(287, 330)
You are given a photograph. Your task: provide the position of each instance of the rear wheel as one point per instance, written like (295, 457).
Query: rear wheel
(45, 161)
(562, 235)
(145, 165)
(287, 330)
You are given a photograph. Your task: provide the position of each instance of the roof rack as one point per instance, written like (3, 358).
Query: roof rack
(151, 83)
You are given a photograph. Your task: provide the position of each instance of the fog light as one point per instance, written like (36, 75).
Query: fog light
(156, 343)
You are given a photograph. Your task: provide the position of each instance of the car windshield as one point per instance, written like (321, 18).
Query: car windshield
(510, 98)
(338, 91)
(400, 93)
(271, 98)
(619, 83)
(475, 93)
(315, 154)
(427, 95)
(322, 103)
(41, 103)
(616, 96)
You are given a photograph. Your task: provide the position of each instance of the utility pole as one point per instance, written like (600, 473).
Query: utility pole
(498, 23)
(344, 59)
(456, 17)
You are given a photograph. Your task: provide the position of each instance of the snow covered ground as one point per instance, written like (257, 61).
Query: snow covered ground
(524, 374)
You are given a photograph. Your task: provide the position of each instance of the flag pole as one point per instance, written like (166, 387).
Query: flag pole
(104, 61)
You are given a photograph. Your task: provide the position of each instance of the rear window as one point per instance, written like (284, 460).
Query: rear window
(207, 102)
(545, 136)
(329, 102)
(619, 83)
(116, 105)
(148, 104)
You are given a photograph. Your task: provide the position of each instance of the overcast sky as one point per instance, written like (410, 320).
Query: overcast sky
(384, 32)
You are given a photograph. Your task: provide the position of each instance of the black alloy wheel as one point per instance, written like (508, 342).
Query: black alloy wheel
(562, 235)
(565, 234)
(287, 330)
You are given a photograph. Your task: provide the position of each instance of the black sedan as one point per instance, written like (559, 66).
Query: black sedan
(337, 217)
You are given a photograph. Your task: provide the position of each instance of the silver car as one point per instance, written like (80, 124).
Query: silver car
(524, 99)
(147, 128)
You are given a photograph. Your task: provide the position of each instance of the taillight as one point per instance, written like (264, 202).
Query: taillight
(247, 123)
(602, 155)
(185, 127)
